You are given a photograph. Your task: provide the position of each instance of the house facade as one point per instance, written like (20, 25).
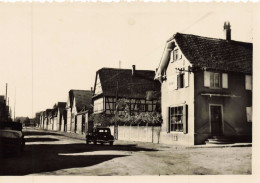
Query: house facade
(206, 88)
(42, 117)
(78, 103)
(60, 115)
(63, 119)
(47, 119)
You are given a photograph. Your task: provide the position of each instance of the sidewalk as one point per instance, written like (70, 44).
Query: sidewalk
(82, 137)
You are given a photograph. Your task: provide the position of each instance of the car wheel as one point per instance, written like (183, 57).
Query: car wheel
(111, 143)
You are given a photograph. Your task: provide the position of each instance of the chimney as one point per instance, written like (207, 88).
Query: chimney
(133, 70)
(227, 31)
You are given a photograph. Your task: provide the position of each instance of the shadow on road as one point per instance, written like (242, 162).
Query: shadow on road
(45, 157)
(40, 139)
(28, 133)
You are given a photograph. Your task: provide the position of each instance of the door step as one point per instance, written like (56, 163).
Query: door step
(219, 140)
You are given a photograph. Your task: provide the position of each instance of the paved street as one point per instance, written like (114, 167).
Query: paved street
(50, 153)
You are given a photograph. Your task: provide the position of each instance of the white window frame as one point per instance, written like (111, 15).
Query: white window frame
(183, 117)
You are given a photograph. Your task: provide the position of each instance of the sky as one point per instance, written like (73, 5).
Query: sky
(49, 48)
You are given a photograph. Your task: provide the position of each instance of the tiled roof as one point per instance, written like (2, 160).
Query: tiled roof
(61, 104)
(217, 54)
(48, 112)
(83, 98)
(129, 86)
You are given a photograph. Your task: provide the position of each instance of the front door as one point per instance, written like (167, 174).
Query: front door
(216, 120)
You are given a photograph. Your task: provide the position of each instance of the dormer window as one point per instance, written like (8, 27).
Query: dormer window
(175, 54)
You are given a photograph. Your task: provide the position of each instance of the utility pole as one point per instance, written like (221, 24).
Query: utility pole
(6, 85)
(14, 101)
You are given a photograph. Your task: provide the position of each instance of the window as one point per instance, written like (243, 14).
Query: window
(177, 119)
(248, 82)
(142, 107)
(249, 114)
(214, 80)
(180, 80)
(175, 55)
(211, 79)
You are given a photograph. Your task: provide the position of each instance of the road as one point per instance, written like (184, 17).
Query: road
(50, 153)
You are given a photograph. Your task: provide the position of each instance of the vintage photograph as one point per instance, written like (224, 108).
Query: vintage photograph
(126, 89)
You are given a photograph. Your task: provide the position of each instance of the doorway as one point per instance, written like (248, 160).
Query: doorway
(216, 120)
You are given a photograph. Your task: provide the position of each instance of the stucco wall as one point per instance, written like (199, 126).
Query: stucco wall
(173, 97)
(50, 124)
(68, 120)
(138, 133)
(55, 124)
(79, 124)
(234, 108)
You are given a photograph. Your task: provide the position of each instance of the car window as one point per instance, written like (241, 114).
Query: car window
(103, 131)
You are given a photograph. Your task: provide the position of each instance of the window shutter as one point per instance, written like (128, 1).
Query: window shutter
(168, 119)
(224, 80)
(248, 82)
(185, 119)
(249, 114)
(178, 81)
(186, 79)
(206, 79)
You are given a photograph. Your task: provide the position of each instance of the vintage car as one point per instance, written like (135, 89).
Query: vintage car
(11, 138)
(100, 135)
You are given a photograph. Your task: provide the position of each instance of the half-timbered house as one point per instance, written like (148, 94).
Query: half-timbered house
(133, 85)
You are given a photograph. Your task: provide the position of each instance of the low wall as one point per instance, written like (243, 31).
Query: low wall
(138, 133)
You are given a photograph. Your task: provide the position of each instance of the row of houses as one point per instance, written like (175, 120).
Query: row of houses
(203, 87)
(111, 84)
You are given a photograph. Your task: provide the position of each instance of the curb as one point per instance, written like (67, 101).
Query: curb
(221, 146)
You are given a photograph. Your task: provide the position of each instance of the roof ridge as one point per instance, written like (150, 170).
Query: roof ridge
(80, 90)
(211, 38)
(110, 68)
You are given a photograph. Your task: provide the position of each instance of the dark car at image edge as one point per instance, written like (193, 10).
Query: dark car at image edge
(11, 138)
